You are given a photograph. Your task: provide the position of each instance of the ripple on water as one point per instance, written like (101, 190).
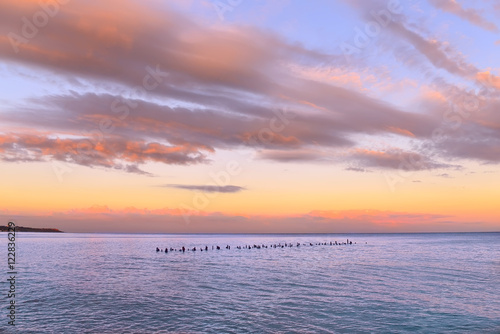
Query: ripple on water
(395, 283)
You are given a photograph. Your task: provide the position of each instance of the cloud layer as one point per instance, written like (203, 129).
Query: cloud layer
(104, 219)
(171, 90)
(470, 14)
(207, 188)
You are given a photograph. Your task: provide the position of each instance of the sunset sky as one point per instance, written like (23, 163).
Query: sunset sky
(250, 115)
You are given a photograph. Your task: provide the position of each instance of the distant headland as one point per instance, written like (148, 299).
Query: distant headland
(30, 229)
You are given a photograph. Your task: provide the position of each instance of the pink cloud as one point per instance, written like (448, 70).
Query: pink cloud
(104, 153)
(395, 159)
(133, 220)
(489, 79)
(436, 52)
(469, 14)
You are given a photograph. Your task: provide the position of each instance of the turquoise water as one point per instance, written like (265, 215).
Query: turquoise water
(112, 283)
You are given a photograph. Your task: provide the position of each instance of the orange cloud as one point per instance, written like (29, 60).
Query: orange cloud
(433, 95)
(312, 105)
(89, 152)
(489, 79)
(133, 220)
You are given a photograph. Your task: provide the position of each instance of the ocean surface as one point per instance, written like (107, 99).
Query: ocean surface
(382, 283)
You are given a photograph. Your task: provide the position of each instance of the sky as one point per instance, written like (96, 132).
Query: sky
(240, 116)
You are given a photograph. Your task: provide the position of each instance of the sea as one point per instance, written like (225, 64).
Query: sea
(381, 283)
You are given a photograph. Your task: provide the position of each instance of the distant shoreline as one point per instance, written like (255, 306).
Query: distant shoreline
(30, 229)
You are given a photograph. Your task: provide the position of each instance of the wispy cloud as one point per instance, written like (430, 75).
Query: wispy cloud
(110, 152)
(357, 169)
(207, 188)
(396, 159)
(471, 15)
(435, 51)
(103, 219)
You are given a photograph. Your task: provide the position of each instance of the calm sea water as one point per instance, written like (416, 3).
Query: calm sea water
(112, 283)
